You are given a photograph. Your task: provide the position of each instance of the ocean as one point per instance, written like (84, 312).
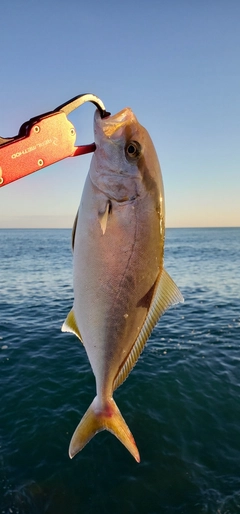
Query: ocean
(181, 401)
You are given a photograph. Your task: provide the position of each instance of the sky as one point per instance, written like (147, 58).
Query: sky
(176, 63)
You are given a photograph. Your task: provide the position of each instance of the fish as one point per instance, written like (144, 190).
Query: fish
(121, 287)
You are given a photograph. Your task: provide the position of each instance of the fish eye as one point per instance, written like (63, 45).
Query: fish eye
(133, 150)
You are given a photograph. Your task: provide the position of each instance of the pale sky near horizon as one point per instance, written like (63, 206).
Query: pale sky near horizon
(176, 63)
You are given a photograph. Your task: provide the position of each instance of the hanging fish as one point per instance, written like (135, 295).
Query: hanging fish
(120, 285)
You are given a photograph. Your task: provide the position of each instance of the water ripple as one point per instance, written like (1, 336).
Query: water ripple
(181, 401)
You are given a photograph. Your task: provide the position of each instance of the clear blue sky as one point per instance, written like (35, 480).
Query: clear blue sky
(176, 63)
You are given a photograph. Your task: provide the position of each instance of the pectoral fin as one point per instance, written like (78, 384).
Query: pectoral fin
(103, 217)
(167, 293)
(70, 325)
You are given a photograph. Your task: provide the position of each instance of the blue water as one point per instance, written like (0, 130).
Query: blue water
(181, 401)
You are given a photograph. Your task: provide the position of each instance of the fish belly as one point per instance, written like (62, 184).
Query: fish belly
(115, 274)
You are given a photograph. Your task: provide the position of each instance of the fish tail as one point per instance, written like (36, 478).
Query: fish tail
(98, 418)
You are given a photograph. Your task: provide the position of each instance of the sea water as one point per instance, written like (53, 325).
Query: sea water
(181, 401)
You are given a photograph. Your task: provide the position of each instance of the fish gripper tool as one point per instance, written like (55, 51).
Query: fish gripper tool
(43, 140)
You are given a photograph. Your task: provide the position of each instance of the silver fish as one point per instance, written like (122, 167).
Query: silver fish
(120, 285)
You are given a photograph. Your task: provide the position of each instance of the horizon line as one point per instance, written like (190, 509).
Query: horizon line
(70, 228)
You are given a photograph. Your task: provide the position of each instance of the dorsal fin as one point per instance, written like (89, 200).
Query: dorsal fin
(70, 325)
(74, 230)
(167, 293)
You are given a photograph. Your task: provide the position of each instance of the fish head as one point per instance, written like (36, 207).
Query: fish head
(125, 164)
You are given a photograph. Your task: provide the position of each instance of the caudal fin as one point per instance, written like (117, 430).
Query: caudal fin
(97, 419)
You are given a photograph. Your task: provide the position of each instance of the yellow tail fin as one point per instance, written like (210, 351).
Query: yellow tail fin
(99, 418)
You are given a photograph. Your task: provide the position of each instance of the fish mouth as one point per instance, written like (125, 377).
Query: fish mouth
(113, 126)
